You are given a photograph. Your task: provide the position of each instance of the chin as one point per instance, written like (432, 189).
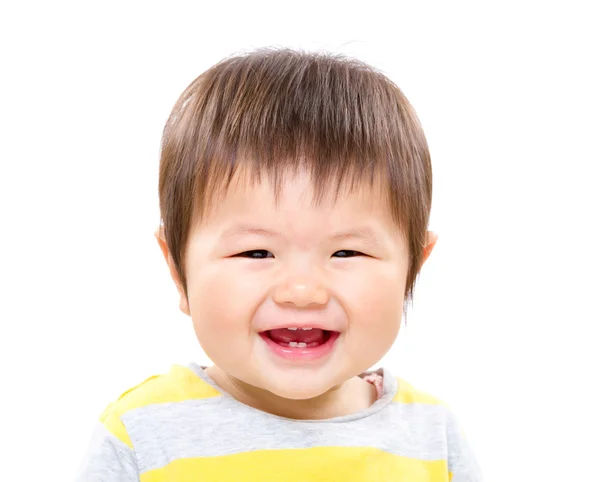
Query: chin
(294, 388)
(296, 394)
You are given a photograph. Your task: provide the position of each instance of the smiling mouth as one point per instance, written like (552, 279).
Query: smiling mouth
(301, 344)
(299, 337)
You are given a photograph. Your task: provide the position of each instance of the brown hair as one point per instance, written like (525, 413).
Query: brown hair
(276, 109)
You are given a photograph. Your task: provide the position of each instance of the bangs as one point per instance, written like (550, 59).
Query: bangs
(277, 112)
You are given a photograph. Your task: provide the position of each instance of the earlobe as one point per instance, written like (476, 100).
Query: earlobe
(183, 303)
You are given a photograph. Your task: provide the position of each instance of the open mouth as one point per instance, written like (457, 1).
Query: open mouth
(300, 343)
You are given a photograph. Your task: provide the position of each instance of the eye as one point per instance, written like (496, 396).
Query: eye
(255, 254)
(346, 253)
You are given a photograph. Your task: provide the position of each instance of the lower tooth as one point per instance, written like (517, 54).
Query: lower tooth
(297, 344)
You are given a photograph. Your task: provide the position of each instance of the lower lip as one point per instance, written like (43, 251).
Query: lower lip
(301, 354)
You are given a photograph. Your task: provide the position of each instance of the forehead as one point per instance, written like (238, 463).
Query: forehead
(249, 209)
(294, 192)
(252, 208)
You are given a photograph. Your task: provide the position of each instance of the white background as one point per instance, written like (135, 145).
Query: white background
(505, 320)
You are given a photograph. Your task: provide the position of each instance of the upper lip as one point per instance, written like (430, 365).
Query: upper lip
(320, 326)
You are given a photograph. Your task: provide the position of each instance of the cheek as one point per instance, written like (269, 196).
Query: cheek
(377, 318)
(374, 303)
(374, 297)
(222, 303)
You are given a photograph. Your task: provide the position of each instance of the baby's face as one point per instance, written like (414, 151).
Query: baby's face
(334, 273)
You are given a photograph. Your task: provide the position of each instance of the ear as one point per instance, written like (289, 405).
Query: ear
(431, 240)
(183, 302)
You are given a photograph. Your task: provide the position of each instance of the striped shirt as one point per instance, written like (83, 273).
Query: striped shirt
(181, 427)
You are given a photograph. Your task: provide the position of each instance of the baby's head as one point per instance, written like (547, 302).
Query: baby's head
(295, 192)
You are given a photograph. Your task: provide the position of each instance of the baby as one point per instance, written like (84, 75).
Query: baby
(295, 191)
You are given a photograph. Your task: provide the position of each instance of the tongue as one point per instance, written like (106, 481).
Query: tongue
(300, 336)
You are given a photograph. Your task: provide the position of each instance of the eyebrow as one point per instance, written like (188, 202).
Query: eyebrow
(242, 229)
(363, 233)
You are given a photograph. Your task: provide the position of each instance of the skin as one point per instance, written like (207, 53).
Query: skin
(353, 285)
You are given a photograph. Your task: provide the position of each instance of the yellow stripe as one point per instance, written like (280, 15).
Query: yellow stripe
(113, 424)
(406, 393)
(319, 464)
(178, 385)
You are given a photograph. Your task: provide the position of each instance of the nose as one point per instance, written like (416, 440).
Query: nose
(301, 291)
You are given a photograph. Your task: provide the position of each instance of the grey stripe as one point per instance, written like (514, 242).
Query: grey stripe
(462, 461)
(222, 426)
(107, 459)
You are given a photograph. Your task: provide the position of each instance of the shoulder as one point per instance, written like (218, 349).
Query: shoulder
(432, 412)
(178, 385)
(408, 393)
(427, 413)
(441, 429)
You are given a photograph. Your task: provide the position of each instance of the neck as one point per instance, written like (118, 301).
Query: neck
(352, 396)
